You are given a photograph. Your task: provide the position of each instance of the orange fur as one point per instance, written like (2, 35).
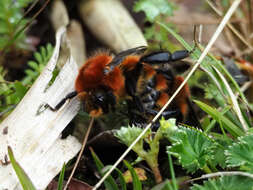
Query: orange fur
(91, 73)
(115, 80)
(149, 71)
(181, 98)
(161, 82)
(96, 112)
(163, 98)
(130, 62)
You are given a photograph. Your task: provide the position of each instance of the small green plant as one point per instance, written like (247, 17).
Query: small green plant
(128, 134)
(11, 20)
(196, 151)
(110, 182)
(22, 176)
(226, 182)
(157, 10)
(12, 92)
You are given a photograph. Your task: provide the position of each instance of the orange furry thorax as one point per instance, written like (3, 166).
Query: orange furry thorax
(91, 74)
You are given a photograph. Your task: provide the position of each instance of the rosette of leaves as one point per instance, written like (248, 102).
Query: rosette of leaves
(239, 154)
(128, 135)
(192, 147)
(225, 183)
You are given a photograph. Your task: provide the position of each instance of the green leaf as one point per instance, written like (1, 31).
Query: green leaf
(128, 134)
(61, 178)
(22, 176)
(228, 125)
(136, 182)
(165, 185)
(240, 153)
(19, 92)
(154, 8)
(226, 183)
(219, 157)
(36, 68)
(110, 183)
(192, 148)
(120, 175)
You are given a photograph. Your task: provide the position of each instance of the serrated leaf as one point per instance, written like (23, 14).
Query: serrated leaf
(240, 153)
(22, 176)
(219, 157)
(226, 183)
(153, 8)
(192, 148)
(128, 134)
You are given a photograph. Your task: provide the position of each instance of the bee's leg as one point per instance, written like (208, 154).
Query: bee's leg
(164, 57)
(166, 114)
(59, 105)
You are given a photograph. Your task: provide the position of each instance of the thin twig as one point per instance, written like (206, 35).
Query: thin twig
(80, 153)
(25, 27)
(28, 10)
(202, 56)
(217, 174)
(236, 106)
(230, 26)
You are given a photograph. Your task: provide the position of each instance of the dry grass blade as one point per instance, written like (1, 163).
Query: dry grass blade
(202, 56)
(80, 153)
(230, 26)
(234, 101)
(218, 174)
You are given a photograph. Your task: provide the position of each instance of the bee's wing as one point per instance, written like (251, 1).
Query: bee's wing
(121, 56)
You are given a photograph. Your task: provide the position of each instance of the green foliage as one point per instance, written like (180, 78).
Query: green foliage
(165, 185)
(191, 146)
(218, 116)
(11, 19)
(218, 86)
(240, 153)
(37, 66)
(136, 182)
(12, 92)
(61, 178)
(110, 182)
(157, 10)
(225, 183)
(23, 178)
(219, 157)
(128, 134)
(154, 8)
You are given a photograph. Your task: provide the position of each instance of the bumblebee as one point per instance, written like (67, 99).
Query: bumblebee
(135, 77)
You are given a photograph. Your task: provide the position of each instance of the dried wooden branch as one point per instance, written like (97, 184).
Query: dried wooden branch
(35, 139)
(111, 23)
(59, 17)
